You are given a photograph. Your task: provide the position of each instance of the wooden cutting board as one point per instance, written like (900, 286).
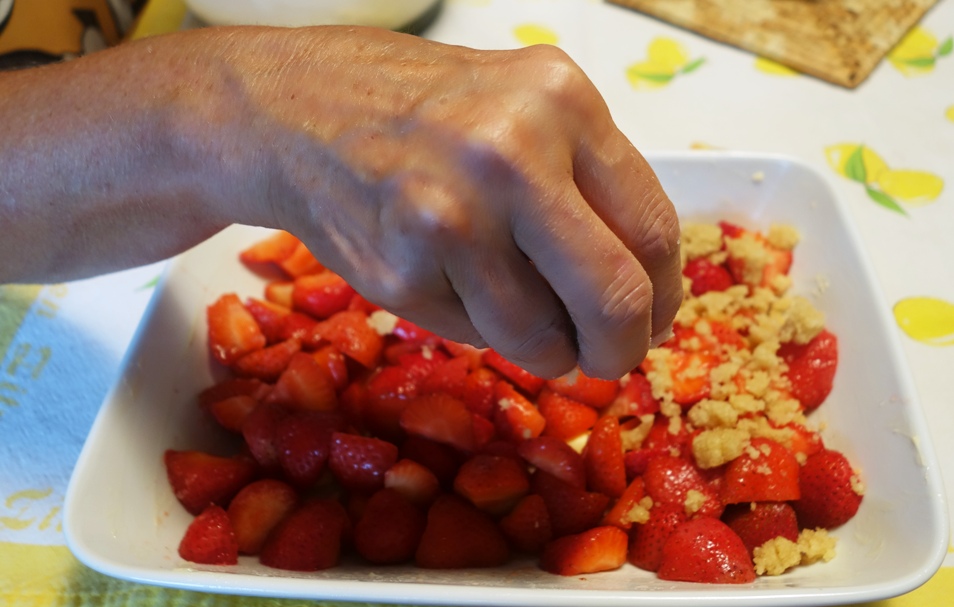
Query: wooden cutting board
(840, 41)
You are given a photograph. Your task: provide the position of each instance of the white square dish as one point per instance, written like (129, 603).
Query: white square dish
(122, 519)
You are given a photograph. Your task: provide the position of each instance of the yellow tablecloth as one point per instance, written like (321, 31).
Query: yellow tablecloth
(61, 345)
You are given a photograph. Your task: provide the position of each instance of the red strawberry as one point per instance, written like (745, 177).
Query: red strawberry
(555, 457)
(441, 418)
(350, 332)
(830, 491)
(232, 412)
(760, 269)
(647, 540)
(478, 391)
(273, 249)
(304, 385)
(410, 332)
(764, 472)
(515, 417)
(707, 276)
(472, 354)
(280, 292)
(443, 460)
(596, 393)
(235, 386)
(321, 295)
(308, 539)
(688, 371)
(448, 377)
(803, 441)
(414, 481)
(389, 391)
(303, 444)
(564, 417)
(527, 526)
(705, 550)
(359, 462)
(199, 479)
(603, 459)
(492, 483)
(459, 536)
(389, 529)
(529, 383)
(257, 509)
(591, 551)
(258, 430)
(621, 514)
(670, 479)
(233, 331)
(270, 317)
(268, 363)
(209, 539)
(635, 398)
(571, 509)
(332, 359)
(301, 327)
(811, 368)
(301, 262)
(759, 522)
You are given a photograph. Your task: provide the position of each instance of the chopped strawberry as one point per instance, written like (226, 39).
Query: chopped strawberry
(236, 386)
(232, 412)
(669, 480)
(199, 479)
(492, 483)
(516, 418)
(305, 385)
(332, 359)
(359, 462)
(321, 295)
(485, 432)
(449, 377)
(688, 372)
(555, 457)
(635, 398)
(529, 383)
(647, 539)
(272, 249)
(603, 459)
(280, 292)
(811, 368)
(362, 305)
(389, 529)
(830, 491)
(414, 481)
(596, 393)
(761, 263)
(350, 332)
(209, 539)
(571, 509)
(268, 363)
(389, 391)
(759, 522)
(459, 536)
(233, 331)
(764, 472)
(565, 418)
(269, 316)
(705, 550)
(441, 418)
(301, 262)
(303, 445)
(590, 551)
(707, 276)
(301, 327)
(802, 440)
(443, 460)
(662, 436)
(474, 355)
(479, 386)
(527, 525)
(308, 539)
(257, 509)
(624, 511)
(410, 332)
(258, 430)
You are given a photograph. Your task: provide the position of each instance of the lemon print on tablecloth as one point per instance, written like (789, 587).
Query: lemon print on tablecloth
(886, 186)
(949, 113)
(926, 319)
(918, 52)
(773, 68)
(530, 33)
(665, 59)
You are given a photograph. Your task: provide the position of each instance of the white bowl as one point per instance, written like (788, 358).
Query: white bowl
(391, 14)
(122, 519)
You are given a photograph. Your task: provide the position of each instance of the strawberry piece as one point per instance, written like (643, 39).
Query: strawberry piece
(272, 249)
(759, 522)
(304, 385)
(492, 483)
(441, 418)
(279, 292)
(529, 383)
(591, 551)
(362, 305)
(359, 462)
(637, 460)
(479, 386)
(233, 386)
(811, 368)
(199, 479)
(308, 539)
(670, 479)
(269, 316)
(474, 355)
(707, 276)
(406, 330)
(603, 459)
(555, 457)
(303, 445)
(448, 377)
(443, 460)
(459, 536)
(803, 441)
(414, 481)
(350, 332)
(762, 263)
(301, 262)
(209, 539)
(233, 331)
(389, 391)
(515, 417)
(596, 393)
(389, 529)
(353, 403)
(660, 438)
(231, 412)
(564, 417)
(705, 550)
(257, 509)
(830, 491)
(647, 540)
(572, 510)
(321, 295)
(689, 373)
(258, 430)
(527, 525)
(268, 363)
(332, 359)
(635, 398)
(623, 510)
(764, 472)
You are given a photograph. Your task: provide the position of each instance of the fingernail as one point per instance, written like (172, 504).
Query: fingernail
(661, 338)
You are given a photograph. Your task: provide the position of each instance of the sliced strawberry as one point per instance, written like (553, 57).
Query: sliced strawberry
(707, 276)
(705, 550)
(321, 295)
(647, 539)
(830, 491)
(624, 511)
(258, 430)
(273, 249)
(233, 386)
(389, 391)
(492, 483)
(459, 536)
(301, 327)
(301, 262)
(362, 305)
(635, 398)
(303, 445)
(764, 472)
(305, 385)
(529, 383)
(448, 377)
(759, 522)
(360, 462)
(811, 368)
(209, 539)
(410, 332)
(571, 509)
(472, 354)
(308, 539)
(688, 372)
(269, 316)
(268, 363)
(441, 418)
(564, 417)
(669, 480)
(257, 509)
(527, 525)
(389, 529)
(199, 479)
(803, 441)
(596, 393)
(233, 331)
(280, 292)
(232, 412)
(414, 481)
(479, 391)
(603, 459)
(591, 551)
(555, 457)
(332, 359)
(350, 332)
(443, 460)
(515, 417)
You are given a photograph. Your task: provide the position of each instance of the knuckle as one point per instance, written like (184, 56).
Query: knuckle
(660, 234)
(545, 342)
(427, 210)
